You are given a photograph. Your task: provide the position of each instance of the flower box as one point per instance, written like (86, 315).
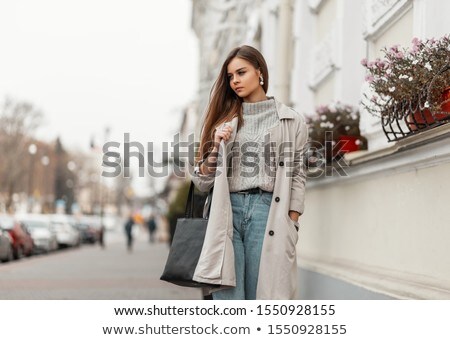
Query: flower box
(334, 131)
(410, 87)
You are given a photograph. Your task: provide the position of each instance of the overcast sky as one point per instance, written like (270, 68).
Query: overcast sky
(88, 64)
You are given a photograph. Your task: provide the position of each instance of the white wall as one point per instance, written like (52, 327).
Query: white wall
(269, 22)
(301, 95)
(396, 224)
(340, 20)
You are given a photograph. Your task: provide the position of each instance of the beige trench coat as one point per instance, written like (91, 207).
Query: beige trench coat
(278, 266)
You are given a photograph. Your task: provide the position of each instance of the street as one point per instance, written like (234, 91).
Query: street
(90, 272)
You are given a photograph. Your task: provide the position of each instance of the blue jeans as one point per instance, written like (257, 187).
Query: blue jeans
(250, 212)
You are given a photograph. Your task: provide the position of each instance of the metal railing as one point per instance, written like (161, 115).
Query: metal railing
(414, 116)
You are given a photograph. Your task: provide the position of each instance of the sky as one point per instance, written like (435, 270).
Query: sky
(89, 64)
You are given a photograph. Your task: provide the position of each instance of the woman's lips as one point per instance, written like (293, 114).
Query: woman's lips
(239, 89)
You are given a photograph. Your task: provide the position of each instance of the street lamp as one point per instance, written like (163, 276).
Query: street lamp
(102, 212)
(32, 149)
(45, 161)
(70, 184)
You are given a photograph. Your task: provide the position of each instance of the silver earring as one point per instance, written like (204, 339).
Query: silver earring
(261, 82)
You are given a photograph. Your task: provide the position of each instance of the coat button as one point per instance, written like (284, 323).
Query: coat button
(281, 163)
(277, 199)
(271, 233)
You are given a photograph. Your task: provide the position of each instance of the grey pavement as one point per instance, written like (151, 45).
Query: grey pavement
(91, 273)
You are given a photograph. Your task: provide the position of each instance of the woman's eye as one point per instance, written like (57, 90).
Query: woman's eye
(241, 73)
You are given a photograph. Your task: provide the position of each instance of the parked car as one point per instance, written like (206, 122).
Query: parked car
(6, 248)
(42, 232)
(88, 233)
(23, 244)
(66, 234)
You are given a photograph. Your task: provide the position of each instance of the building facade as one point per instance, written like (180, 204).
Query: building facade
(380, 231)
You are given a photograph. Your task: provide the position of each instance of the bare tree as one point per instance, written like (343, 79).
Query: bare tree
(18, 121)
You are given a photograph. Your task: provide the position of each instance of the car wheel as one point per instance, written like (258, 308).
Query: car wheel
(18, 253)
(10, 254)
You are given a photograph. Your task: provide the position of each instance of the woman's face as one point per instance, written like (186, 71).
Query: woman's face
(243, 77)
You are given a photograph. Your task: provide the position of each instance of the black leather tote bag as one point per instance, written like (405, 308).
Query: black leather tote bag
(186, 246)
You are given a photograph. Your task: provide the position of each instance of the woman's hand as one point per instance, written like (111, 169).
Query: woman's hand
(294, 215)
(223, 132)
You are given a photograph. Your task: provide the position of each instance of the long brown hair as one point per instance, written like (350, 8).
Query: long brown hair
(224, 103)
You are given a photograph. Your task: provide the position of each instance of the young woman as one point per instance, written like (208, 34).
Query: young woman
(250, 154)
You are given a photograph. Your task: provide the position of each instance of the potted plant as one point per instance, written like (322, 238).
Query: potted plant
(411, 84)
(338, 125)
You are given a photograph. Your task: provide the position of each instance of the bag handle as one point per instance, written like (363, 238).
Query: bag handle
(189, 210)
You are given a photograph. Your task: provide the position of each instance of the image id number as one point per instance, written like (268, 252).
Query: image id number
(307, 329)
(296, 310)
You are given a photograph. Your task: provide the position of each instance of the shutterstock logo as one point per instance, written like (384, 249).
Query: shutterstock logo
(313, 161)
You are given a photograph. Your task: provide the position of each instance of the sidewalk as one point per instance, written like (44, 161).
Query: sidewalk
(90, 272)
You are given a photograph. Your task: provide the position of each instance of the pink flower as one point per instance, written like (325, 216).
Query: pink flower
(394, 49)
(416, 41)
(364, 62)
(369, 78)
(380, 63)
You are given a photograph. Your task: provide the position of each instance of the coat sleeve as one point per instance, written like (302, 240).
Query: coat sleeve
(298, 175)
(202, 182)
(205, 182)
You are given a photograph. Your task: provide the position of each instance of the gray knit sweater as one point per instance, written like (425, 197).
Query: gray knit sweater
(249, 169)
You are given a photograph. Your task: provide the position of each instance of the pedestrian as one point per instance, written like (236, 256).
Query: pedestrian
(151, 224)
(250, 243)
(129, 232)
(101, 236)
